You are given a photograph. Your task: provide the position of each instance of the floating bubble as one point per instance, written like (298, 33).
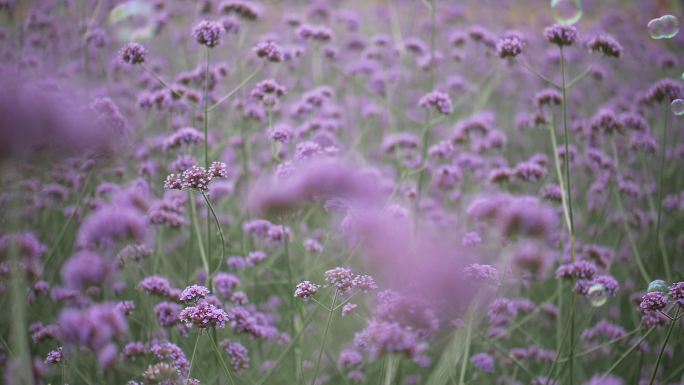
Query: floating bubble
(566, 11)
(677, 106)
(132, 21)
(664, 27)
(657, 285)
(598, 295)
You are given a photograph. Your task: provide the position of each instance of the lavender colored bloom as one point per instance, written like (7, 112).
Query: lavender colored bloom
(155, 285)
(54, 357)
(676, 292)
(85, 269)
(109, 225)
(208, 33)
(237, 355)
(348, 308)
(184, 136)
(226, 283)
(578, 269)
(168, 351)
(483, 362)
(652, 302)
(561, 35)
(606, 45)
(480, 273)
(270, 51)
(437, 100)
(381, 337)
(664, 90)
(247, 10)
(133, 350)
(94, 328)
(204, 315)
(305, 289)
(133, 53)
(193, 293)
(365, 283)
(167, 314)
(510, 45)
(340, 277)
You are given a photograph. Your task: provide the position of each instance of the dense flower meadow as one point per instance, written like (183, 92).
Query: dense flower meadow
(341, 192)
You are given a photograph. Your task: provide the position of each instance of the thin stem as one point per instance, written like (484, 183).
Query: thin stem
(662, 349)
(195, 222)
(579, 77)
(325, 335)
(220, 358)
(627, 353)
(205, 124)
(660, 191)
(464, 360)
(192, 358)
(559, 173)
(282, 355)
(218, 226)
(621, 207)
(66, 224)
(162, 82)
(539, 75)
(236, 89)
(390, 369)
(567, 156)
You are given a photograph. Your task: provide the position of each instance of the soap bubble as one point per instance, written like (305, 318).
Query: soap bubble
(664, 27)
(677, 106)
(598, 295)
(657, 285)
(566, 11)
(132, 21)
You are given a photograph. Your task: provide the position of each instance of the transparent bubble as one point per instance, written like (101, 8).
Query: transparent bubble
(598, 295)
(132, 21)
(677, 106)
(657, 285)
(566, 11)
(664, 27)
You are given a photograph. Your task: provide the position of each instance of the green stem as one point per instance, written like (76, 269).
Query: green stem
(567, 155)
(205, 124)
(325, 335)
(621, 207)
(662, 349)
(220, 230)
(390, 369)
(236, 89)
(224, 366)
(192, 358)
(195, 222)
(559, 173)
(660, 191)
(464, 360)
(627, 353)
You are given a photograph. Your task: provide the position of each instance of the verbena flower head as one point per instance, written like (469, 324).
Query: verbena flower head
(561, 34)
(133, 53)
(437, 100)
(208, 33)
(483, 362)
(305, 289)
(204, 315)
(510, 45)
(340, 277)
(676, 292)
(193, 293)
(269, 51)
(652, 302)
(363, 282)
(606, 45)
(238, 355)
(576, 270)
